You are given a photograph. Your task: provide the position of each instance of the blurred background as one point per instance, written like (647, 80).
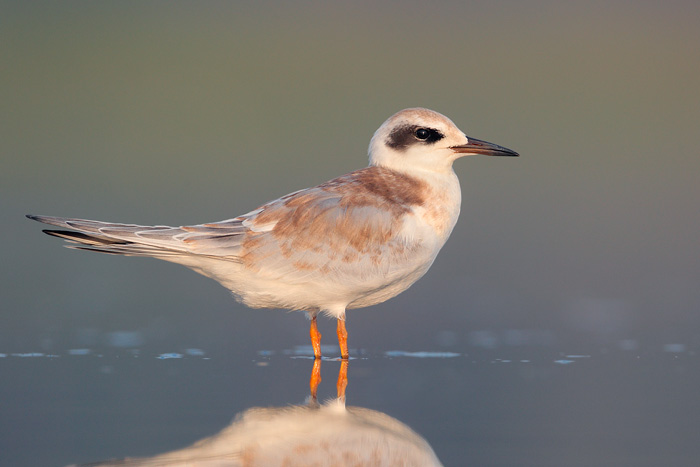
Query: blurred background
(178, 113)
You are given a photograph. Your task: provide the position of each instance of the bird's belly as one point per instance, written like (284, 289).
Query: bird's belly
(342, 288)
(387, 291)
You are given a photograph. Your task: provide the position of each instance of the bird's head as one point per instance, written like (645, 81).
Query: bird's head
(421, 139)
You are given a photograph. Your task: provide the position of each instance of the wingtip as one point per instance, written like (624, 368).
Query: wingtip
(59, 221)
(38, 218)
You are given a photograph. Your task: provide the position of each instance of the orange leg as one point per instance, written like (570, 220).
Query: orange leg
(343, 339)
(315, 378)
(315, 338)
(342, 379)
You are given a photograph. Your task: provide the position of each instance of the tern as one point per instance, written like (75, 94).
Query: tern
(351, 242)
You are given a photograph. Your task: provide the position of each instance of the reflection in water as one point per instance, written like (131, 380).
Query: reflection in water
(311, 434)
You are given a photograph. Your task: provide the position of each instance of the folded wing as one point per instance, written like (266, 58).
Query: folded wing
(341, 227)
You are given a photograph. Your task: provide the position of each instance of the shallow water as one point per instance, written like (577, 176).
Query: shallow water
(505, 407)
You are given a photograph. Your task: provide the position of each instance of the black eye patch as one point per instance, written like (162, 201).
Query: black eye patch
(404, 136)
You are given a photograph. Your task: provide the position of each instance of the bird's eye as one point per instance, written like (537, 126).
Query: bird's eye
(422, 133)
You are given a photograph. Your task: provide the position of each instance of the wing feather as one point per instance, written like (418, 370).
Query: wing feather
(342, 227)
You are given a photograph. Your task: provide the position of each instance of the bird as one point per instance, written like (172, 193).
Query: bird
(352, 242)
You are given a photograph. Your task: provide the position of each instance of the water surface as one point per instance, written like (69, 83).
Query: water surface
(484, 407)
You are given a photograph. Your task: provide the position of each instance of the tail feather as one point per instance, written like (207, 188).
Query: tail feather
(78, 237)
